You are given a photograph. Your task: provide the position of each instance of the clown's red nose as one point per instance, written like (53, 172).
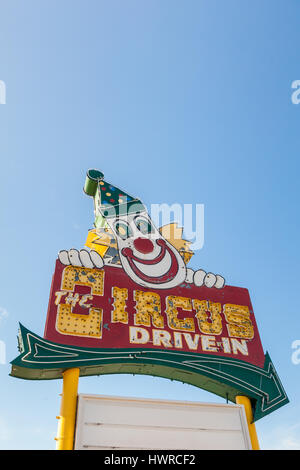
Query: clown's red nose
(143, 245)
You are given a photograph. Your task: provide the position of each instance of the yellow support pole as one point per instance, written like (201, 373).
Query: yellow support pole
(68, 406)
(242, 400)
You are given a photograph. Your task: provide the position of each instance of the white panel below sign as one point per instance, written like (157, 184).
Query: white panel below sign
(105, 422)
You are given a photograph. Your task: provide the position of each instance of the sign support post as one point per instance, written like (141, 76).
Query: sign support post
(243, 400)
(67, 417)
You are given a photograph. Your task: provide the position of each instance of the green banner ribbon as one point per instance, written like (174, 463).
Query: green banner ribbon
(41, 359)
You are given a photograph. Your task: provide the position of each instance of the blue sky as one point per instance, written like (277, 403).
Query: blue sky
(176, 102)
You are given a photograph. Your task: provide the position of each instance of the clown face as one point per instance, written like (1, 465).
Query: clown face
(147, 258)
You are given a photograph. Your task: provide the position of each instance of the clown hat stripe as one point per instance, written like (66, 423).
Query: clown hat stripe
(110, 201)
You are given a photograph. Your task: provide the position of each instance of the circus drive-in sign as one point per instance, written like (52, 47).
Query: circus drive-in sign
(127, 303)
(104, 308)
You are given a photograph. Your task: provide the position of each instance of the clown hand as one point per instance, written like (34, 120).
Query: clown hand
(202, 278)
(84, 258)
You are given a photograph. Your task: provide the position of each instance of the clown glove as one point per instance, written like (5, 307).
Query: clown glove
(84, 258)
(201, 278)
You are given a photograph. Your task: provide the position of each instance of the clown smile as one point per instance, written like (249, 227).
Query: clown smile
(160, 269)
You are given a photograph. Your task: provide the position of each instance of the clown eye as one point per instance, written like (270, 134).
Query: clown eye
(143, 225)
(123, 230)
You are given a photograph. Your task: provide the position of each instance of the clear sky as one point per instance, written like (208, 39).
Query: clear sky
(175, 101)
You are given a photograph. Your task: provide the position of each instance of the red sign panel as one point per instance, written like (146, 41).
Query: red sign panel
(104, 308)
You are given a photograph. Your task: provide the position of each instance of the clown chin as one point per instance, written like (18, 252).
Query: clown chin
(168, 272)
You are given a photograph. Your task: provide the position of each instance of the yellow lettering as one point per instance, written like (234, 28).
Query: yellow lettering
(74, 275)
(239, 323)
(209, 317)
(173, 303)
(147, 308)
(69, 323)
(119, 314)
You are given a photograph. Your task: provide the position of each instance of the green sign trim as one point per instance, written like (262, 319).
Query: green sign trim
(41, 359)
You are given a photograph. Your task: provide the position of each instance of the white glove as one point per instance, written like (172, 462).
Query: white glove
(201, 278)
(85, 258)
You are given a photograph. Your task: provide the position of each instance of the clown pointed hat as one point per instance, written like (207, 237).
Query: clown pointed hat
(109, 200)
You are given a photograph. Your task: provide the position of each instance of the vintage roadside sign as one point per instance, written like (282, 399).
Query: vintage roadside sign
(104, 308)
(128, 303)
